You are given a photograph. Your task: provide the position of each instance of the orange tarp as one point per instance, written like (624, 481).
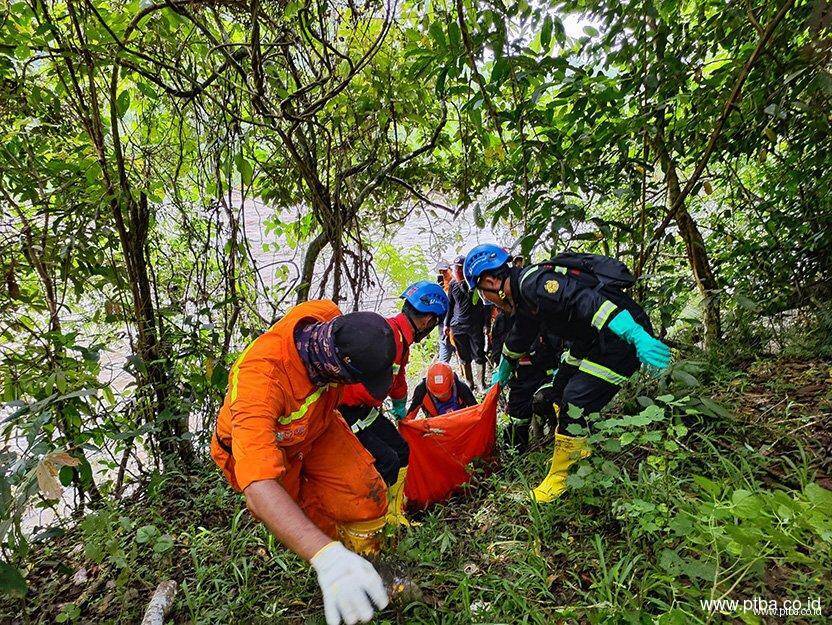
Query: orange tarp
(441, 448)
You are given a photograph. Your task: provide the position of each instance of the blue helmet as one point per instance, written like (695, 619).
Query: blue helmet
(482, 258)
(427, 298)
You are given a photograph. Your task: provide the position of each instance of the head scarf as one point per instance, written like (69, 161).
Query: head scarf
(316, 345)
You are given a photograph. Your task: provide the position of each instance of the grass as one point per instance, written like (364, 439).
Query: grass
(681, 501)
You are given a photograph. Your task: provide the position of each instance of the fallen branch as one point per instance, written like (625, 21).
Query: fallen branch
(160, 603)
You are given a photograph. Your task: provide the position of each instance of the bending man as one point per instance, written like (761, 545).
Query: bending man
(281, 441)
(579, 298)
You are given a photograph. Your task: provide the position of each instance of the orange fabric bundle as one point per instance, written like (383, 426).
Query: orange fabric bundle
(441, 448)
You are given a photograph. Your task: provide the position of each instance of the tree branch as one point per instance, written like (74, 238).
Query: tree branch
(383, 173)
(420, 195)
(720, 122)
(472, 64)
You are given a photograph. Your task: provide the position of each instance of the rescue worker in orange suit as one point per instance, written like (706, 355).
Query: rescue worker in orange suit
(281, 441)
(580, 298)
(441, 392)
(425, 304)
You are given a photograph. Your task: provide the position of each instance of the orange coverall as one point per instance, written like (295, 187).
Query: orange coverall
(279, 426)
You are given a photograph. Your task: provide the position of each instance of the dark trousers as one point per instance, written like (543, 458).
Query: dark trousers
(572, 387)
(470, 345)
(382, 439)
(521, 390)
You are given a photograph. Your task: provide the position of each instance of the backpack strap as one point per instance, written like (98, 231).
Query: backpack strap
(363, 424)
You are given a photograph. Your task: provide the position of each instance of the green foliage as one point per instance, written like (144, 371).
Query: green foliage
(661, 518)
(172, 183)
(402, 266)
(11, 581)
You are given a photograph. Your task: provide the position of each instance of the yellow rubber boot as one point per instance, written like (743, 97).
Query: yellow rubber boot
(568, 450)
(362, 537)
(396, 501)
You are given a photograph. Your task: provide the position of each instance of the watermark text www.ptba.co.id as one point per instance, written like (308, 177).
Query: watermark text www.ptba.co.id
(761, 606)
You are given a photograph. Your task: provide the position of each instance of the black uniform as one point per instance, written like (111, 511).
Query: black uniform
(569, 304)
(499, 331)
(466, 320)
(380, 437)
(532, 372)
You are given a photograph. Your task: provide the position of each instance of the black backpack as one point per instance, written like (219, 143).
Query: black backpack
(606, 271)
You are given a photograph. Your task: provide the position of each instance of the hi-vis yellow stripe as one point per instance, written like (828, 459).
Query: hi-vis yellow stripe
(510, 354)
(602, 372)
(297, 414)
(602, 314)
(235, 372)
(300, 412)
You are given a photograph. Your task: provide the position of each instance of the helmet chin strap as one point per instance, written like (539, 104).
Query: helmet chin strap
(501, 293)
(411, 322)
(418, 334)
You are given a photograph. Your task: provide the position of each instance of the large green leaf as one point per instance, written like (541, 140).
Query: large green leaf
(546, 33)
(122, 103)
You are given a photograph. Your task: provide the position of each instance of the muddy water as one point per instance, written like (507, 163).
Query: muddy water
(435, 235)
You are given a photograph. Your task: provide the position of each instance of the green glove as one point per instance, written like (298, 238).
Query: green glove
(399, 409)
(651, 351)
(503, 372)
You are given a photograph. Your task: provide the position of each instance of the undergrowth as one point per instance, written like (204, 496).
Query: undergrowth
(706, 491)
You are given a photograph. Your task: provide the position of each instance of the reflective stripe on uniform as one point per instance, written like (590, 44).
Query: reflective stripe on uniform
(603, 313)
(235, 371)
(601, 372)
(569, 359)
(531, 271)
(510, 354)
(366, 422)
(300, 412)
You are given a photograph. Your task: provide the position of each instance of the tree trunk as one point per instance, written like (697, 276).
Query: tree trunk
(132, 222)
(175, 447)
(56, 351)
(231, 277)
(316, 245)
(697, 255)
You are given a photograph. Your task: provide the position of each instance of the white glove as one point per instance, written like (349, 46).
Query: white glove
(348, 582)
